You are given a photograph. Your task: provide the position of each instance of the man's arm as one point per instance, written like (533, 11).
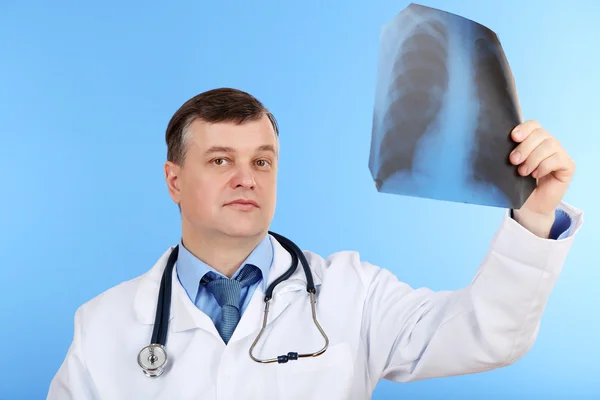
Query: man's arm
(491, 323)
(72, 381)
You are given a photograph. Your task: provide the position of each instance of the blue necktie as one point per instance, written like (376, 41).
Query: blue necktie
(227, 293)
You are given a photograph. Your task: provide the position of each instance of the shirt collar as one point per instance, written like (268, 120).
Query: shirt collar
(190, 269)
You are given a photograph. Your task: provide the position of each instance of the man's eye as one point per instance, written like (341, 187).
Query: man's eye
(219, 161)
(262, 163)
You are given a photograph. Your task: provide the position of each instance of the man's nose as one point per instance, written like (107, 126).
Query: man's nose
(244, 177)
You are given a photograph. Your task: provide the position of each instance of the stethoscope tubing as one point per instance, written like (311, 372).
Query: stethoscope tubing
(156, 352)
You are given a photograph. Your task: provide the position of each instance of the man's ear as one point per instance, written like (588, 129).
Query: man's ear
(172, 173)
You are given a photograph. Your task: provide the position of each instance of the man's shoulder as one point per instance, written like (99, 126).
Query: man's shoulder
(114, 303)
(120, 299)
(342, 263)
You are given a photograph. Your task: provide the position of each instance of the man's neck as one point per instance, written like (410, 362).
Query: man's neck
(223, 253)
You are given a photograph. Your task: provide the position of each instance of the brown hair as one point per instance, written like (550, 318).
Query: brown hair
(216, 105)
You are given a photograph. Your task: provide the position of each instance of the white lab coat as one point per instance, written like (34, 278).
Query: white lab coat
(379, 328)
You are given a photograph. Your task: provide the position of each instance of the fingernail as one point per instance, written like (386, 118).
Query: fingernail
(516, 156)
(517, 134)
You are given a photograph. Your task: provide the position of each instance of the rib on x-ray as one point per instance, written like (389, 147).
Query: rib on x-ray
(445, 105)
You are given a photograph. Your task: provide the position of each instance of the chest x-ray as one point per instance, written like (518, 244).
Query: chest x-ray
(445, 105)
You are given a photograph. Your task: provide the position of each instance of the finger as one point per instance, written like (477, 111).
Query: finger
(547, 166)
(559, 164)
(522, 131)
(545, 149)
(524, 149)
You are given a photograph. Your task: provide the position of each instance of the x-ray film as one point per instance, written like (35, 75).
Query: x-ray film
(445, 105)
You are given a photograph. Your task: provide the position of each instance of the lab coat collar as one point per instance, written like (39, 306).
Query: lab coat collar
(184, 314)
(288, 291)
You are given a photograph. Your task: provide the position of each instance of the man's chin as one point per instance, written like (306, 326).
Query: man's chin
(242, 231)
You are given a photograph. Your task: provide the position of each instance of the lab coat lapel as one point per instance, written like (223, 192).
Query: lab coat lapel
(183, 314)
(285, 293)
(146, 296)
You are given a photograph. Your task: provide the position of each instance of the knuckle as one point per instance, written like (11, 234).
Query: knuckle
(537, 135)
(530, 164)
(548, 142)
(543, 133)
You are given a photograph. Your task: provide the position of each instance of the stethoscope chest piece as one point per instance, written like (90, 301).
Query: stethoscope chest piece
(153, 359)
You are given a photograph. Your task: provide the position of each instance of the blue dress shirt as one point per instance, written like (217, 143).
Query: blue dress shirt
(190, 271)
(561, 227)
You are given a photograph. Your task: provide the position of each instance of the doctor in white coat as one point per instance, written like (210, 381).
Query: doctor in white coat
(222, 173)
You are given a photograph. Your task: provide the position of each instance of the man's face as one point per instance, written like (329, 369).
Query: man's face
(227, 167)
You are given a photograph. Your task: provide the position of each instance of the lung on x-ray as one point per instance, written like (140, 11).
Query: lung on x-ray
(445, 105)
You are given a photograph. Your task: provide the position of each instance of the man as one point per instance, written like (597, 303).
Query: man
(222, 173)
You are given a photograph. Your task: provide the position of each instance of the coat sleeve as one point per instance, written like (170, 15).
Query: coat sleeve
(414, 334)
(72, 381)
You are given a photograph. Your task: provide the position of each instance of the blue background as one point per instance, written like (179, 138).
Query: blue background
(86, 92)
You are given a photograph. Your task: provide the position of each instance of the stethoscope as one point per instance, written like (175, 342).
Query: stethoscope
(153, 358)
